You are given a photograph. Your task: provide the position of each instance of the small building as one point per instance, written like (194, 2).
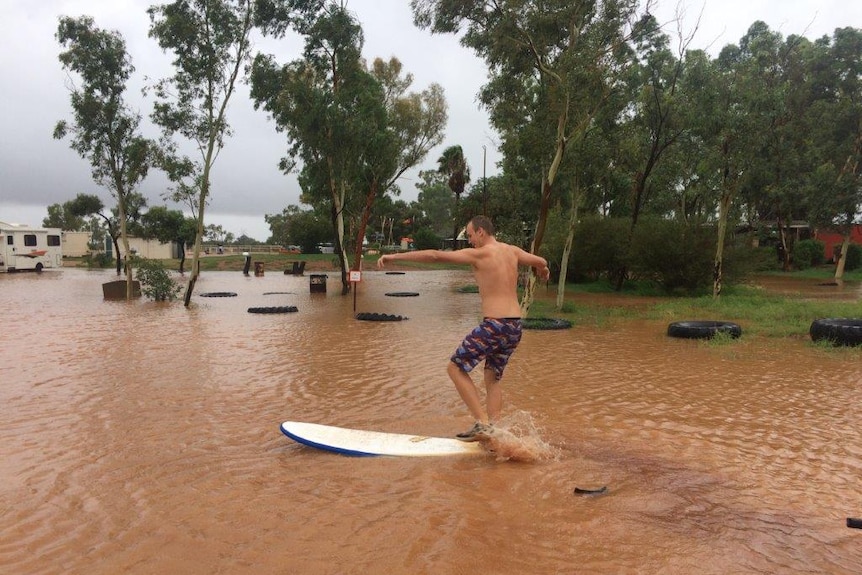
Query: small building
(76, 244)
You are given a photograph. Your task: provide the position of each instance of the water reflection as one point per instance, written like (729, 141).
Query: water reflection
(143, 438)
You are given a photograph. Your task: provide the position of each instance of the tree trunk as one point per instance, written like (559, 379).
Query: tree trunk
(842, 261)
(124, 235)
(199, 234)
(718, 264)
(638, 193)
(363, 224)
(567, 249)
(544, 206)
(782, 246)
(182, 248)
(117, 250)
(338, 199)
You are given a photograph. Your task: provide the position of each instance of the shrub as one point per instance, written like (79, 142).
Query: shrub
(741, 260)
(808, 253)
(426, 239)
(676, 256)
(99, 260)
(599, 248)
(854, 258)
(156, 281)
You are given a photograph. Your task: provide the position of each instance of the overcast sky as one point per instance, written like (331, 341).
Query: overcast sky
(36, 170)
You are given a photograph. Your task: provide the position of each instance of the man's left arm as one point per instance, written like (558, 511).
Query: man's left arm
(538, 263)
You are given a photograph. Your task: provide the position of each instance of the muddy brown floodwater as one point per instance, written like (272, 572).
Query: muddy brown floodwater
(143, 438)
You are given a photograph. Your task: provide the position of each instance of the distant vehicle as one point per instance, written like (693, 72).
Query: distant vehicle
(326, 248)
(290, 250)
(23, 247)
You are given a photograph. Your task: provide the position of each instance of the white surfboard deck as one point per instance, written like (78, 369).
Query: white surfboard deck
(359, 443)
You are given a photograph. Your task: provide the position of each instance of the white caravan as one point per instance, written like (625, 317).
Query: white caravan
(23, 247)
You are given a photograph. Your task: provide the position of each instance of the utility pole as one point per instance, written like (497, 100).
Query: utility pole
(484, 183)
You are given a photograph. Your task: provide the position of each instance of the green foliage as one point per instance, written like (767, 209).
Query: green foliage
(671, 255)
(210, 42)
(435, 202)
(61, 216)
(808, 253)
(304, 228)
(105, 129)
(676, 256)
(854, 258)
(156, 281)
(98, 260)
(426, 239)
(599, 249)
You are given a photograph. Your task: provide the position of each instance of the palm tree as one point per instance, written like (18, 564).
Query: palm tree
(453, 164)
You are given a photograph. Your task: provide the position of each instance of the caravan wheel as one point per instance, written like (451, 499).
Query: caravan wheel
(39, 267)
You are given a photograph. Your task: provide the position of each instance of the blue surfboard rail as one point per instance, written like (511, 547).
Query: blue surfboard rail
(323, 446)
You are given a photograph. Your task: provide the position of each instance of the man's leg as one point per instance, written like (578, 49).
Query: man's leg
(468, 392)
(494, 395)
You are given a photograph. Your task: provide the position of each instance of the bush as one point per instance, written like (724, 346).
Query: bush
(854, 258)
(741, 261)
(426, 239)
(599, 249)
(676, 256)
(156, 281)
(99, 260)
(808, 253)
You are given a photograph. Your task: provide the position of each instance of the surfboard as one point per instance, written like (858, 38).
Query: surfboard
(361, 443)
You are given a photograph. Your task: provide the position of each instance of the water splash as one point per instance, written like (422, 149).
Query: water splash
(517, 438)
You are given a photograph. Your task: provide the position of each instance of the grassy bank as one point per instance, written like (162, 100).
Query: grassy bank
(759, 312)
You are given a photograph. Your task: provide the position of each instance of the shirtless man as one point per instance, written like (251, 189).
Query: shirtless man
(495, 266)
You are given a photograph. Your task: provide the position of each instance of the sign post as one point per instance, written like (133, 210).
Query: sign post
(355, 277)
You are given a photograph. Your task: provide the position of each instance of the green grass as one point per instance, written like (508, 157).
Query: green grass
(758, 312)
(825, 272)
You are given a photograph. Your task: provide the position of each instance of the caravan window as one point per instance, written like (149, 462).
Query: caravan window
(53, 240)
(10, 240)
(30, 239)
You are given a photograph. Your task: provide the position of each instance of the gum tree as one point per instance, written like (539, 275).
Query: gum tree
(354, 130)
(210, 41)
(322, 102)
(104, 130)
(835, 125)
(551, 66)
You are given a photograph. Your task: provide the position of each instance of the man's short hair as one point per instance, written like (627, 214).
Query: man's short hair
(483, 222)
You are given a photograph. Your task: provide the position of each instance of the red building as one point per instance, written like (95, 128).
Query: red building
(832, 241)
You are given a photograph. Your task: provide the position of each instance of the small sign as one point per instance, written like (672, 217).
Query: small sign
(355, 276)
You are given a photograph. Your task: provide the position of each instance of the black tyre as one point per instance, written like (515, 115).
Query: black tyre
(840, 331)
(277, 309)
(395, 273)
(545, 323)
(703, 329)
(365, 316)
(402, 294)
(218, 294)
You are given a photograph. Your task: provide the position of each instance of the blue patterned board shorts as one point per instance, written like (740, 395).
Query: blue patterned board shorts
(493, 340)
